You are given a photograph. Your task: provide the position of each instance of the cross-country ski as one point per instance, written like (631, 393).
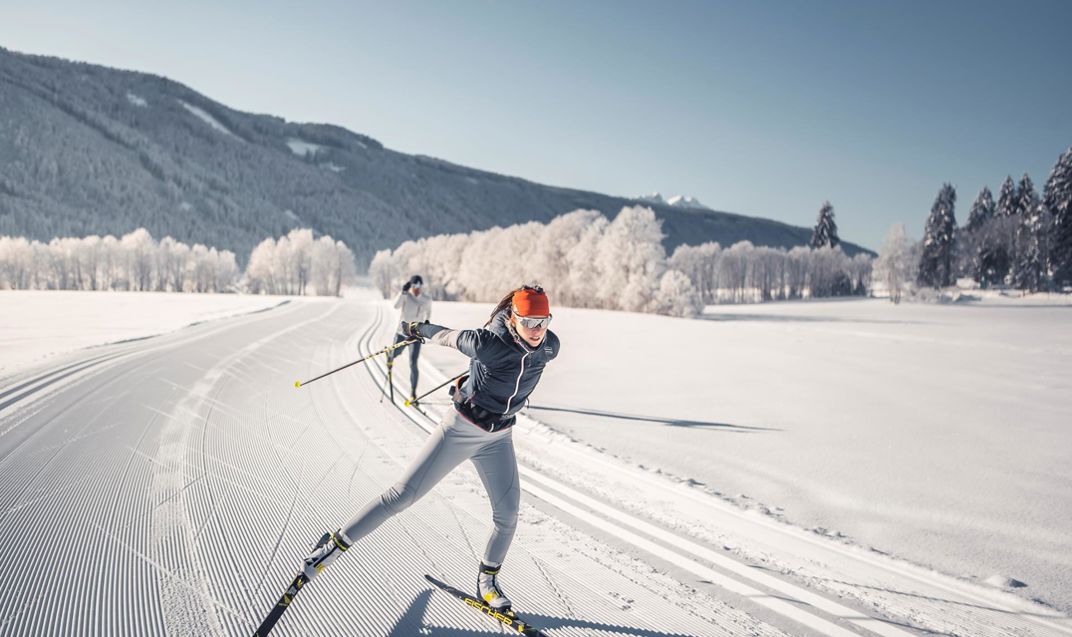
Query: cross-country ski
(508, 617)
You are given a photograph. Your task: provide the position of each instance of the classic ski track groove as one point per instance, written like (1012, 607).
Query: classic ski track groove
(72, 373)
(117, 568)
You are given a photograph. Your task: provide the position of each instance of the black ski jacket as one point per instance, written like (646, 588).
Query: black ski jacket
(504, 368)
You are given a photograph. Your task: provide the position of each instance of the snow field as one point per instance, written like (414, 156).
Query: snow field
(910, 429)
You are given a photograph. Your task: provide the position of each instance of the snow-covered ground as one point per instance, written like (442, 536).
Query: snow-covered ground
(38, 324)
(741, 474)
(938, 433)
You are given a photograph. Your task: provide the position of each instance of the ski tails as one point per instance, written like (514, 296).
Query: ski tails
(508, 618)
(282, 605)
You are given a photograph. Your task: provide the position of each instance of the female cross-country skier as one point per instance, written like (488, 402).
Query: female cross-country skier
(413, 308)
(508, 356)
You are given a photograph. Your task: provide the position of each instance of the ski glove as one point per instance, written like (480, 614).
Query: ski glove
(412, 330)
(405, 288)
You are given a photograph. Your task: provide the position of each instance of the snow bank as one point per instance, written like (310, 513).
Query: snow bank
(37, 324)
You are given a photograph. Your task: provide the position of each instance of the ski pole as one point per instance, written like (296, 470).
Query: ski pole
(299, 383)
(439, 386)
(390, 379)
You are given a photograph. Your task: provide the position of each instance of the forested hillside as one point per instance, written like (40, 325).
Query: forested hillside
(86, 149)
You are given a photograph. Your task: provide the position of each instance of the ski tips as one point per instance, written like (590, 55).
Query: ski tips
(297, 383)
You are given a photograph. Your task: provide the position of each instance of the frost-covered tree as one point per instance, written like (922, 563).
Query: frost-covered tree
(288, 265)
(1057, 197)
(630, 258)
(332, 266)
(584, 260)
(550, 257)
(676, 296)
(700, 264)
(860, 270)
(134, 262)
(936, 259)
(301, 253)
(733, 271)
(383, 271)
(584, 271)
(825, 232)
(894, 264)
(826, 273)
(172, 258)
(16, 263)
(138, 247)
(260, 272)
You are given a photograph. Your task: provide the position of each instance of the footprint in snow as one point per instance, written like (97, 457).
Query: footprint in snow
(1004, 582)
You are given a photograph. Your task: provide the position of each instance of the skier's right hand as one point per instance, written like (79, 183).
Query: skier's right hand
(411, 330)
(405, 288)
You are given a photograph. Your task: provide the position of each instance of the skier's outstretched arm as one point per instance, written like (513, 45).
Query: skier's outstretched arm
(465, 341)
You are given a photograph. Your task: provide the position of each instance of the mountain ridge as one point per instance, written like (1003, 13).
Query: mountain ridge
(87, 149)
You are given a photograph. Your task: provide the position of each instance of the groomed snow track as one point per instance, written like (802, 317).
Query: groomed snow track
(172, 485)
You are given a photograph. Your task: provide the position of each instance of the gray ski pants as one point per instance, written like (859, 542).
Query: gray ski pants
(414, 354)
(454, 440)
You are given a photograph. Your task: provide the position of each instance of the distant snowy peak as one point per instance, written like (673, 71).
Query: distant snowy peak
(652, 198)
(678, 201)
(683, 201)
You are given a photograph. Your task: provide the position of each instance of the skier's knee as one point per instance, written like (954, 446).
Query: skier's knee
(398, 498)
(505, 517)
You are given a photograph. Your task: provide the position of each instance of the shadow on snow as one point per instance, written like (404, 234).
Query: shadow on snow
(673, 422)
(412, 623)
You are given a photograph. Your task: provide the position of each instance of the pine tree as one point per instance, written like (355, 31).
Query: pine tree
(1029, 269)
(1007, 198)
(1057, 197)
(936, 259)
(1026, 197)
(825, 233)
(992, 265)
(973, 241)
(981, 211)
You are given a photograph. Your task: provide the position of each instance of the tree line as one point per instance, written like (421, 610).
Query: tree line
(1021, 240)
(590, 261)
(293, 264)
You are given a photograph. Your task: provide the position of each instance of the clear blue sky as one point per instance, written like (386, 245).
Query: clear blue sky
(763, 108)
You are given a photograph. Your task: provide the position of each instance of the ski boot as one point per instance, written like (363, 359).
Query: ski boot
(487, 587)
(324, 553)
